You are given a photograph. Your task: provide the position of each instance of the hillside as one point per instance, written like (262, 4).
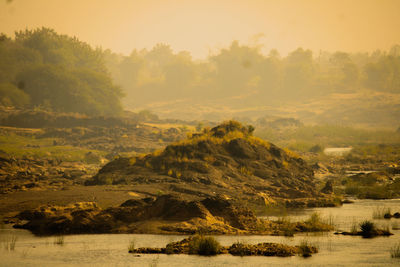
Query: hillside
(225, 160)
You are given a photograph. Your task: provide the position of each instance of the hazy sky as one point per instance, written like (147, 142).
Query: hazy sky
(201, 26)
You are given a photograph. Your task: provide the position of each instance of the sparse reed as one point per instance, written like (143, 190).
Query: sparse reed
(395, 226)
(395, 251)
(131, 246)
(59, 240)
(10, 243)
(380, 212)
(305, 248)
(354, 227)
(154, 262)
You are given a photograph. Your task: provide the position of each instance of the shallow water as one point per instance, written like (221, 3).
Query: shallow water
(337, 151)
(112, 250)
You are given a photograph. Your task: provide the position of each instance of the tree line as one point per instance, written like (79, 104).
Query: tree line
(242, 74)
(40, 68)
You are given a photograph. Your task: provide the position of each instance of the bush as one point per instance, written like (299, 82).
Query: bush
(204, 245)
(316, 149)
(367, 228)
(10, 95)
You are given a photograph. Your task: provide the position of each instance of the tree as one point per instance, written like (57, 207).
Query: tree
(384, 75)
(12, 96)
(56, 71)
(298, 73)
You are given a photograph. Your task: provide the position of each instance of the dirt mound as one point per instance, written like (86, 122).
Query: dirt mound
(225, 160)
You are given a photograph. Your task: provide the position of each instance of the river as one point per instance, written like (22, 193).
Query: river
(112, 249)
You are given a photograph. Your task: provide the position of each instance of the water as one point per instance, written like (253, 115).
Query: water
(337, 151)
(112, 250)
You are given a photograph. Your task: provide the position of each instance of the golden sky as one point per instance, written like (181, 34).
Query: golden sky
(204, 26)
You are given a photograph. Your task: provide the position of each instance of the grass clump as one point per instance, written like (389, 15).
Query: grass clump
(286, 226)
(367, 228)
(305, 249)
(204, 245)
(395, 251)
(315, 223)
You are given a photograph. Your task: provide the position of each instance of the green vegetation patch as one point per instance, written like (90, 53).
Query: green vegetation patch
(19, 146)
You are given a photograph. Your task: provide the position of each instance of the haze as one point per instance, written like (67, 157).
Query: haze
(201, 27)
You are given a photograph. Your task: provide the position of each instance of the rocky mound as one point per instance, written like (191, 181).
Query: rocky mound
(225, 160)
(165, 214)
(185, 246)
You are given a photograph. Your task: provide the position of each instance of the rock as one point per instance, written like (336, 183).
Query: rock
(387, 216)
(320, 167)
(347, 201)
(328, 188)
(374, 233)
(266, 249)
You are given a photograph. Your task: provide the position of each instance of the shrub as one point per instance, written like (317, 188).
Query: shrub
(204, 245)
(316, 149)
(305, 249)
(367, 228)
